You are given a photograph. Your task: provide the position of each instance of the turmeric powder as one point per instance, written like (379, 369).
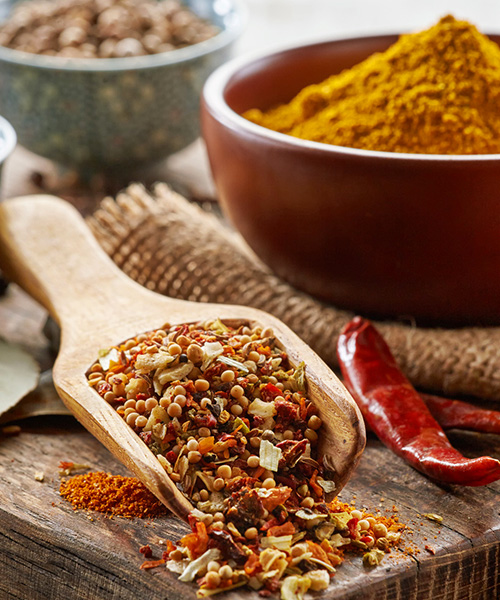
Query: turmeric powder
(432, 92)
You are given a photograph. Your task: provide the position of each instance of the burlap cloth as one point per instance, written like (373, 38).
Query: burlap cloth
(173, 247)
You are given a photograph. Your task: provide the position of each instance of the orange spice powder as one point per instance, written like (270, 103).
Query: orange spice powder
(112, 494)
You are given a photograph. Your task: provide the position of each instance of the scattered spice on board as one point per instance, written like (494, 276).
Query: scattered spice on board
(67, 467)
(432, 92)
(229, 418)
(434, 517)
(111, 29)
(113, 494)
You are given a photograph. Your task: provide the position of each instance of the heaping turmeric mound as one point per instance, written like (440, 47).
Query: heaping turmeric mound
(433, 92)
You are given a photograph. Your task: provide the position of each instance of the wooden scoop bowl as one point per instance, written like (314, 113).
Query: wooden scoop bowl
(46, 248)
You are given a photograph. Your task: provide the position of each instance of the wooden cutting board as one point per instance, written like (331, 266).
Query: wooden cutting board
(50, 551)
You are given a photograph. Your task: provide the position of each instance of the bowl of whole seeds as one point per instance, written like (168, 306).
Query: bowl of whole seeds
(108, 84)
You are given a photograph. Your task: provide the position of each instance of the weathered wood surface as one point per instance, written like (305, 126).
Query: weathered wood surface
(48, 551)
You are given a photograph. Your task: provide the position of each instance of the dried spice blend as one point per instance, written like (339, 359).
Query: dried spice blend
(230, 420)
(432, 92)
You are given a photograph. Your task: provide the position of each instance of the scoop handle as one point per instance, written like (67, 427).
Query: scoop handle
(47, 249)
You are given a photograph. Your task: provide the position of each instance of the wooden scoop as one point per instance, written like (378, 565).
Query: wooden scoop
(46, 248)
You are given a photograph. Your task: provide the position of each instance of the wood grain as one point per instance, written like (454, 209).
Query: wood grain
(49, 551)
(46, 545)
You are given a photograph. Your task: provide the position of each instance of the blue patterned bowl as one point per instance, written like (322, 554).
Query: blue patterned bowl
(106, 114)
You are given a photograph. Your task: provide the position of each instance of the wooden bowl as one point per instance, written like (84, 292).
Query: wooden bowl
(384, 234)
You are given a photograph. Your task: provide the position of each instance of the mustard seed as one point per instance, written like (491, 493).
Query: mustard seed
(226, 572)
(311, 435)
(253, 461)
(180, 399)
(237, 391)
(251, 533)
(224, 471)
(212, 579)
(174, 410)
(218, 484)
(151, 403)
(201, 385)
(131, 419)
(227, 376)
(315, 422)
(175, 349)
(213, 565)
(141, 421)
(237, 410)
(192, 445)
(194, 456)
(194, 353)
(379, 530)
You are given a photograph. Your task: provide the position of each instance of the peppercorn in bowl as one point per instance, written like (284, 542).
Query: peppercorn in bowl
(360, 215)
(108, 84)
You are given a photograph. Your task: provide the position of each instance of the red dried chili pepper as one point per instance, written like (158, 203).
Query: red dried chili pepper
(398, 415)
(455, 414)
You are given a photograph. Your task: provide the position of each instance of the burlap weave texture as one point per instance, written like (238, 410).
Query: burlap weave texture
(171, 246)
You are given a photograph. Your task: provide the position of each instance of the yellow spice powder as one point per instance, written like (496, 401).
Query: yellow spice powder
(432, 92)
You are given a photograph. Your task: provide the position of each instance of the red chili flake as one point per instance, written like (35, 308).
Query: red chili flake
(171, 457)
(352, 525)
(286, 411)
(272, 585)
(269, 392)
(102, 387)
(64, 464)
(141, 396)
(252, 565)
(271, 523)
(146, 437)
(430, 550)
(317, 489)
(303, 409)
(151, 564)
(146, 550)
(205, 421)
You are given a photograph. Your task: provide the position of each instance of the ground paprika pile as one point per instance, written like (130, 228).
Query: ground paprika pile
(432, 92)
(120, 496)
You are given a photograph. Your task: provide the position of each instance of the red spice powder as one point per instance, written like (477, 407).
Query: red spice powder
(112, 494)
